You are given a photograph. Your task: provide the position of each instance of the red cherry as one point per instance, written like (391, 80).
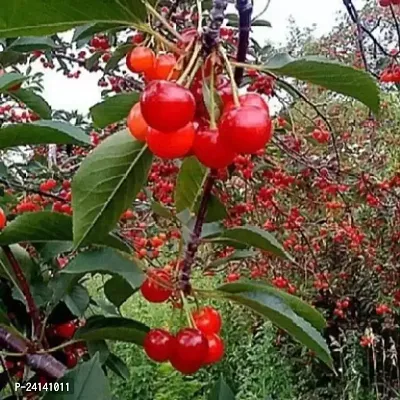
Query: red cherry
(170, 145)
(246, 129)
(155, 288)
(163, 67)
(166, 106)
(66, 330)
(210, 151)
(207, 320)
(191, 349)
(215, 349)
(136, 124)
(250, 99)
(384, 3)
(159, 345)
(71, 360)
(232, 277)
(3, 218)
(140, 59)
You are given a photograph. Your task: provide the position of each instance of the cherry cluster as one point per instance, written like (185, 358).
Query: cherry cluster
(391, 74)
(387, 3)
(191, 348)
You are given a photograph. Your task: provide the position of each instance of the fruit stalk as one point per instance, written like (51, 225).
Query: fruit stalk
(211, 35)
(245, 9)
(44, 363)
(33, 311)
(194, 241)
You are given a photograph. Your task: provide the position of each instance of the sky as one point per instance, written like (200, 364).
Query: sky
(81, 94)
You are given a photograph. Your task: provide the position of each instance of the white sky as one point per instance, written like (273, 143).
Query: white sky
(80, 94)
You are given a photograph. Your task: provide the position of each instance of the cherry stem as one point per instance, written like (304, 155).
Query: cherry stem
(159, 37)
(213, 124)
(231, 75)
(191, 64)
(194, 241)
(163, 21)
(245, 9)
(33, 310)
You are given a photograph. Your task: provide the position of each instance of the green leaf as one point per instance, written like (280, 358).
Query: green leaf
(105, 185)
(88, 30)
(118, 290)
(8, 58)
(119, 53)
(33, 101)
(107, 261)
(221, 391)
(86, 381)
(93, 60)
(98, 346)
(41, 17)
(114, 109)
(216, 211)
(268, 304)
(47, 226)
(42, 132)
(236, 255)
(329, 74)
(300, 307)
(261, 22)
(113, 328)
(77, 300)
(118, 366)
(207, 100)
(161, 210)
(258, 238)
(191, 178)
(28, 44)
(23, 258)
(10, 80)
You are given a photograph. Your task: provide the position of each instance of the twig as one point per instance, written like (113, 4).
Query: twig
(211, 36)
(10, 380)
(396, 23)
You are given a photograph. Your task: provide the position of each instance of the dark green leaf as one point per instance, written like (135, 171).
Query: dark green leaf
(10, 80)
(233, 19)
(98, 346)
(8, 58)
(23, 258)
(107, 261)
(114, 109)
(77, 300)
(267, 303)
(50, 250)
(42, 132)
(228, 242)
(261, 22)
(118, 54)
(93, 60)
(113, 328)
(221, 391)
(118, 290)
(86, 381)
(256, 237)
(88, 30)
(161, 210)
(28, 44)
(329, 74)
(47, 226)
(41, 17)
(105, 185)
(118, 366)
(33, 101)
(216, 211)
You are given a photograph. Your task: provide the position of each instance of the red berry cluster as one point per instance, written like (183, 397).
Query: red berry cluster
(387, 3)
(191, 348)
(391, 74)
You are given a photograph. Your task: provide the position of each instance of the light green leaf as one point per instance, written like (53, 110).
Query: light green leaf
(47, 226)
(113, 328)
(107, 261)
(236, 255)
(221, 391)
(114, 109)
(119, 53)
(329, 74)
(86, 381)
(33, 101)
(161, 210)
(8, 81)
(42, 132)
(105, 185)
(269, 305)
(88, 30)
(77, 300)
(41, 17)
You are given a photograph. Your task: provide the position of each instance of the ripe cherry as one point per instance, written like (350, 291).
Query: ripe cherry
(250, 99)
(246, 129)
(210, 150)
(156, 287)
(207, 320)
(191, 349)
(159, 345)
(215, 349)
(136, 124)
(169, 145)
(163, 67)
(166, 106)
(71, 360)
(140, 59)
(3, 218)
(66, 330)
